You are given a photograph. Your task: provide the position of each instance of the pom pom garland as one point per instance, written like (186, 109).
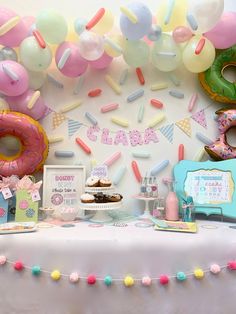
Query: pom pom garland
(198, 273)
(231, 265)
(74, 277)
(36, 270)
(55, 275)
(3, 259)
(18, 266)
(215, 269)
(164, 280)
(128, 281)
(91, 280)
(180, 276)
(108, 280)
(146, 281)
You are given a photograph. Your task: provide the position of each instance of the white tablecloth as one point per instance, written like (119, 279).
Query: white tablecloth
(119, 251)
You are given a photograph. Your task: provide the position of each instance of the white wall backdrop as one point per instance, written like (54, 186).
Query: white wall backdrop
(174, 109)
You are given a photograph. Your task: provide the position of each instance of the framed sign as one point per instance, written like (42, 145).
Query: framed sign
(211, 184)
(62, 186)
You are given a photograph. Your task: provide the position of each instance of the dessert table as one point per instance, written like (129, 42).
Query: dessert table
(133, 248)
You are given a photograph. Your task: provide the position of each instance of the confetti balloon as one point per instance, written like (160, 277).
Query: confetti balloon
(14, 81)
(221, 35)
(52, 26)
(7, 53)
(131, 57)
(79, 25)
(113, 45)
(75, 65)
(197, 63)
(135, 31)
(14, 36)
(105, 24)
(171, 14)
(181, 34)
(166, 54)
(206, 13)
(102, 63)
(33, 57)
(91, 46)
(20, 104)
(36, 79)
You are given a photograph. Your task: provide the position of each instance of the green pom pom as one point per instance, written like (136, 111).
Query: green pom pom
(108, 280)
(181, 276)
(36, 270)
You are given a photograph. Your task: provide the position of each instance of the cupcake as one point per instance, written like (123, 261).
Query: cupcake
(87, 198)
(92, 181)
(105, 182)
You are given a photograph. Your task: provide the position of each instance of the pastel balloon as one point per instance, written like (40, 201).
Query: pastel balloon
(75, 64)
(206, 13)
(7, 53)
(8, 86)
(79, 25)
(33, 57)
(197, 63)
(16, 34)
(154, 33)
(114, 44)
(135, 31)
(181, 34)
(91, 45)
(166, 54)
(52, 26)
(71, 35)
(20, 104)
(221, 35)
(36, 79)
(103, 62)
(131, 57)
(29, 21)
(105, 24)
(171, 14)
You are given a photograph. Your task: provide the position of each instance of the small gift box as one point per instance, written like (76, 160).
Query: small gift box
(27, 197)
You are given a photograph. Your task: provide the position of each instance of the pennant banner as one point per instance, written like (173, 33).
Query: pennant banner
(185, 126)
(73, 127)
(168, 132)
(57, 119)
(200, 118)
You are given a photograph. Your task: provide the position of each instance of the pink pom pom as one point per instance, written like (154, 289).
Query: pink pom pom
(91, 280)
(3, 259)
(231, 265)
(215, 269)
(164, 280)
(146, 281)
(74, 277)
(18, 266)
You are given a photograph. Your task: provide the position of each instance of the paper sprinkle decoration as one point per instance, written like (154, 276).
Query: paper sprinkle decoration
(200, 118)
(57, 119)
(168, 132)
(185, 126)
(73, 127)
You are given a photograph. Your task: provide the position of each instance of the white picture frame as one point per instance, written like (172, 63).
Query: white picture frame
(62, 186)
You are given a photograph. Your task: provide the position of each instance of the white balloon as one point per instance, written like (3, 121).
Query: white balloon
(36, 79)
(206, 13)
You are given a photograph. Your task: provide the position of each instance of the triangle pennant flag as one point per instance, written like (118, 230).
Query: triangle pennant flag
(200, 118)
(168, 132)
(185, 126)
(73, 127)
(57, 119)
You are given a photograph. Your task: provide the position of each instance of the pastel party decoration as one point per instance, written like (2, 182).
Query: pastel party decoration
(121, 138)
(91, 45)
(55, 275)
(185, 126)
(215, 269)
(74, 277)
(140, 113)
(128, 281)
(91, 279)
(9, 86)
(177, 94)
(135, 95)
(18, 266)
(123, 76)
(3, 208)
(119, 174)
(140, 76)
(192, 102)
(146, 281)
(73, 127)
(101, 63)
(114, 157)
(36, 270)
(83, 145)
(141, 24)
(75, 64)
(181, 34)
(104, 23)
(109, 107)
(159, 167)
(64, 153)
(130, 55)
(36, 79)
(136, 171)
(108, 281)
(200, 118)
(12, 28)
(112, 83)
(3, 260)
(164, 280)
(80, 25)
(198, 273)
(52, 26)
(181, 276)
(7, 53)
(33, 57)
(168, 132)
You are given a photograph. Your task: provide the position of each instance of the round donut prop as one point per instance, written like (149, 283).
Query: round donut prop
(33, 140)
(213, 82)
(220, 149)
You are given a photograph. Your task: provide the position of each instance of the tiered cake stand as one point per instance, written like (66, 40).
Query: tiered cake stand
(101, 209)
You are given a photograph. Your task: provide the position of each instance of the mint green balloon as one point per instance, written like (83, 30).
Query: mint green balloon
(136, 53)
(166, 54)
(33, 57)
(52, 26)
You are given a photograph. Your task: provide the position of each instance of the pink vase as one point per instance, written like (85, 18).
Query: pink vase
(172, 206)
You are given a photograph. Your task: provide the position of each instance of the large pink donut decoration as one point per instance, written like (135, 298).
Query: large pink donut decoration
(33, 140)
(220, 149)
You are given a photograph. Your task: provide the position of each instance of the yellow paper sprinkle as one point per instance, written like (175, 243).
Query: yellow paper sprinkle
(33, 99)
(55, 139)
(121, 122)
(158, 86)
(71, 106)
(129, 14)
(6, 27)
(113, 84)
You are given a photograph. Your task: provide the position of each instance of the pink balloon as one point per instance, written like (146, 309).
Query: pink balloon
(20, 103)
(75, 65)
(14, 36)
(223, 34)
(28, 21)
(181, 34)
(8, 86)
(101, 63)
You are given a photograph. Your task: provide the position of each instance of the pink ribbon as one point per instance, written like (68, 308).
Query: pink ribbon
(27, 184)
(9, 182)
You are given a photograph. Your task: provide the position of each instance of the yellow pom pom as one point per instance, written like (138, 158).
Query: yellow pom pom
(128, 281)
(198, 273)
(55, 275)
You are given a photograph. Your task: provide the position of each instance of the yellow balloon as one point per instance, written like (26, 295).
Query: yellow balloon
(53, 48)
(113, 44)
(72, 36)
(200, 62)
(171, 14)
(105, 24)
